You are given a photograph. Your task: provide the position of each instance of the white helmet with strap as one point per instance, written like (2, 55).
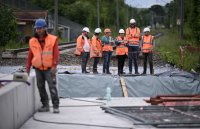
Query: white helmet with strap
(97, 30)
(86, 29)
(146, 29)
(132, 21)
(121, 31)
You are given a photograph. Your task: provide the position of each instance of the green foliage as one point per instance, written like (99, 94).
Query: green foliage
(7, 25)
(85, 12)
(168, 46)
(158, 10)
(12, 44)
(195, 20)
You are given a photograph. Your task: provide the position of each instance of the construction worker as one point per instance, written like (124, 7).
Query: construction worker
(121, 50)
(83, 48)
(133, 36)
(147, 44)
(107, 43)
(96, 49)
(43, 55)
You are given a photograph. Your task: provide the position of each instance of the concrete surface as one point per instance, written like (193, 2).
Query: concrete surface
(80, 112)
(77, 114)
(17, 103)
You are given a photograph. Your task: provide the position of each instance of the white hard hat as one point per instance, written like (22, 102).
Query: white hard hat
(97, 30)
(132, 21)
(121, 31)
(86, 29)
(146, 29)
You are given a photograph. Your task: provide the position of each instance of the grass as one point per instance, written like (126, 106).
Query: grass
(14, 45)
(168, 46)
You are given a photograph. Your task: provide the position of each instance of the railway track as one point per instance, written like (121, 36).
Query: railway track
(63, 48)
(22, 52)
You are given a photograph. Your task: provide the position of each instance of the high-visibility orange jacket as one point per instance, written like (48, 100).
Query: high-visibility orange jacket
(107, 46)
(147, 43)
(133, 35)
(42, 58)
(96, 47)
(121, 49)
(79, 44)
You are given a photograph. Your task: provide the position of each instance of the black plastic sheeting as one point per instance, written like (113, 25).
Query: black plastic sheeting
(167, 83)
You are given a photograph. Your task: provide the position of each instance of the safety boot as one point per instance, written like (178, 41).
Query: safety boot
(108, 72)
(95, 71)
(56, 110)
(44, 108)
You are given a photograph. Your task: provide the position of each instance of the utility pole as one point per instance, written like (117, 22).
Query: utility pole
(98, 17)
(127, 15)
(181, 18)
(117, 14)
(173, 20)
(56, 17)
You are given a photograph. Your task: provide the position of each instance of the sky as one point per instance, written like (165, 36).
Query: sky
(146, 3)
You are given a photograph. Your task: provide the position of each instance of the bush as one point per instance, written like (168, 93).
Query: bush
(168, 47)
(7, 25)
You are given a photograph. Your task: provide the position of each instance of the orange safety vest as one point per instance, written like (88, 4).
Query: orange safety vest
(42, 58)
(121, 49)
(80, 44)
(107, 47)
(96, 47)
(147, 43)
(133, 35)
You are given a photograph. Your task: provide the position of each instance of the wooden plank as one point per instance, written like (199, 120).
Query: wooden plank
(123, 85)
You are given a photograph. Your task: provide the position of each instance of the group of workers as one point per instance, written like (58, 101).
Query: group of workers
(43, 55)
(129, 44)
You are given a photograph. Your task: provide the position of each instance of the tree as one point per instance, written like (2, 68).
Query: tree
(158, 10)
(194, 20)
(7, 26)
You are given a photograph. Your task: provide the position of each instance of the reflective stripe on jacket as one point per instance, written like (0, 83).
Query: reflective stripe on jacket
(80, 44)
(121, 49)
(133, 35)
(42, 58)
(96, 47)
(147, 43)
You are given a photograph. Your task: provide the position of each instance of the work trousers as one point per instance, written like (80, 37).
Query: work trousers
(149, 57)
(133, 55)
(106, 61)
(121, 61)
(47, 75)
(96, 61)
(84, 60)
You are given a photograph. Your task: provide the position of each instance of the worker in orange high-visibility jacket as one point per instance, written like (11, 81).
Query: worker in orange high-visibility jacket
(43, 55)
(133, 37)
(107, 44)
(121, 50)
(83, 48)
(96, 49)
(147, 45)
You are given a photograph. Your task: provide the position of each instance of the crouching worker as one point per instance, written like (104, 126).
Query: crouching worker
(121, 51)
(43, 56)
(96, 49)
(147, 45)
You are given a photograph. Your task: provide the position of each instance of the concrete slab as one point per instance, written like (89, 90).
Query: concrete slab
(80, 114)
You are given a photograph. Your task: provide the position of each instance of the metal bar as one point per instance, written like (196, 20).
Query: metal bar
(114, 111)
(176, 118)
